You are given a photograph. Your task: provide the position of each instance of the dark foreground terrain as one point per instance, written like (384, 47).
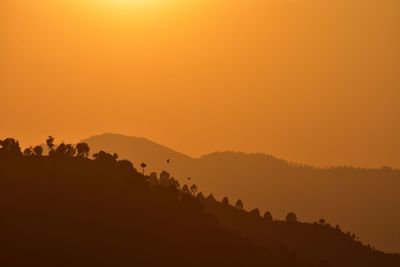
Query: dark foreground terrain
(63, 210)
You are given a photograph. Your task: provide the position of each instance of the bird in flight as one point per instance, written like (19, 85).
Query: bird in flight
(168, 161)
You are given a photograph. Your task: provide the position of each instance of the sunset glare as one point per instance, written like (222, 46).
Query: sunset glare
(202, 133)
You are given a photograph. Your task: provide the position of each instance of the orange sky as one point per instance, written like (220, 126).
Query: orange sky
(306, 80)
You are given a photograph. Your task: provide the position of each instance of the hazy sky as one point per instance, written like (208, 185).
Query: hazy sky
(306, 80)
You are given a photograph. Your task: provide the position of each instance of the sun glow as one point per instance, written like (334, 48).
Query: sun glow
(131, 3)
(128, 11)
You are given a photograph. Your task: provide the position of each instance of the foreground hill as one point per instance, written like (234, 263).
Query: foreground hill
(360, 200)
(72, 211)
(80, 212)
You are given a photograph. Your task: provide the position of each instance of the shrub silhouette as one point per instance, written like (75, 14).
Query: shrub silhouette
(291, 217)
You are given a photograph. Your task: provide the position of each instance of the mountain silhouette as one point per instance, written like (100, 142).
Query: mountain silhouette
(138, 150)
(363, 201)
(65, 209)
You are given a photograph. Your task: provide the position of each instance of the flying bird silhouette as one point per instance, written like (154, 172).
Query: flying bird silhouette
(168, 161)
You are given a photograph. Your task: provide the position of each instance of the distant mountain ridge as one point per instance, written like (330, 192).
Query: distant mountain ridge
(360, 200)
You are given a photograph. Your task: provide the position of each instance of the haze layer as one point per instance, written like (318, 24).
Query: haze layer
(309, 81)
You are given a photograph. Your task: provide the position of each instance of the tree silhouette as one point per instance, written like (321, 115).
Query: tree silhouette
(239, 204)
(268, 216)
(71, 150)
(172, 182)
(105, 157)
(125, 165)
(153, 179)
(185, 189)
(291, 217)
(255, 213)
(201, 196)
(164, 178)
(38, 150)
(193, 189)
(143, 165)
(211, 197)
(64, 150)
(60, 150)
(10, 146)
(322, 221)
(225, 201)
(82, 150)
(50, 144)
(28, 151)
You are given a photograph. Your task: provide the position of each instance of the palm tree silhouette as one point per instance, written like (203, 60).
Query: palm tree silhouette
(143, 165)
(50, 144)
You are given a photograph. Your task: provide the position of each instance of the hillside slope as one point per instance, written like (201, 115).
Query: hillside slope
(68, 211)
